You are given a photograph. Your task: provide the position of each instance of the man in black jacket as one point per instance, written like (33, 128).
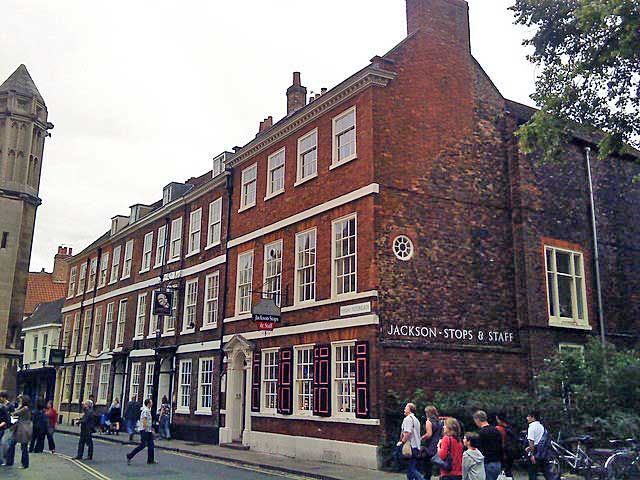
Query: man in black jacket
(490, 445)
(132, 415)
(5, 421)
(87, 425)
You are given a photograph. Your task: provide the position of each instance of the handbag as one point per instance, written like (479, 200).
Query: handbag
(407, 451)
(445, 464)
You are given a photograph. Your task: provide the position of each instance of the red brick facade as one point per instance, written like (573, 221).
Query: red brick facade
(434, 160)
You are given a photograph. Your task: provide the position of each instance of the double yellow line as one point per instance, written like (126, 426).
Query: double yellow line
(91, 471)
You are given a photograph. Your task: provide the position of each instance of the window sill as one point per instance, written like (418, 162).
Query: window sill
(188, 332)
(182, 411)
(145, 270)
(191, 254)
(203, 412)
(305, 179)
(274, 194)
(237, 318)
(246, 207)
(138, 338)
(555, 322)
(112, 282)
(335, 164)
(168, 334)
(211, 245)
(213, 326)
(124, 278)
(173, 260)
(313, 418)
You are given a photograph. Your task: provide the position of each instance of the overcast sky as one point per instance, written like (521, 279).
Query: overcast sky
(144, 93)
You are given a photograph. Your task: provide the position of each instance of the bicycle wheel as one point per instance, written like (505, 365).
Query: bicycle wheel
(554, 464)
(621, 466)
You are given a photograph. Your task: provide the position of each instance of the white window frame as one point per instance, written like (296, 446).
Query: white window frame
(175, 245)
(86, 328)
(67, 386)
(203, 382)
(34, 348)
(77, 382)
(300, 176)
(82, 278)
(211, 309)
(184, 388)
(269, 386)
(297, 382)
(97, 327)
(575, 347)
(268, 275)
(242, 286)
(558, 319)
(66, 335)
(218, 165)
(93, 272)
(335, 379)
(147, 248)
(108, 327)
(128, 259)
(73, 273)
(334, 260)
(104, 270)
(75, 334)
(160, 246)
(44, 347)
(88, 381)
(141, 316)
(122, 322)
(272, 167)
(103, 383)
(195, 230)
(214, 225)
(245, 201)
(335, 134)
(136, 373)
(174, 317)
(300, 269)
(115, 264)
(148, 380)
(190, 305)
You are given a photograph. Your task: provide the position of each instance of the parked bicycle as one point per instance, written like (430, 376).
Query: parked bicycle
(584, 460)
(624, 464)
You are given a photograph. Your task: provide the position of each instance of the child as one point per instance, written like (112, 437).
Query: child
(472, 460)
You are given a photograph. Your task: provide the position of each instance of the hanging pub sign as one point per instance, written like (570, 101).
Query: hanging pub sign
(266, 314)
(162, 302)
(56, 357)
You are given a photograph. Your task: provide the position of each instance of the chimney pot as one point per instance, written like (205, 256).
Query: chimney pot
(323, 90)
(296, 79)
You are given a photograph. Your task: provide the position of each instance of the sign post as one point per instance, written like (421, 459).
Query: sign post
(266, 314)
(56, 357)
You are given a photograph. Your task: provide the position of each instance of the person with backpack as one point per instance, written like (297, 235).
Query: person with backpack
(511, 445)
(539, 449)
(433, 432)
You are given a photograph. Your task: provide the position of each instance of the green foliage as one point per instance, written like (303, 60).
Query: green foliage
(596, 393)
(589, 54)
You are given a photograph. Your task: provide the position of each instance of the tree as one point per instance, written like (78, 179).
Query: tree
(588, 52)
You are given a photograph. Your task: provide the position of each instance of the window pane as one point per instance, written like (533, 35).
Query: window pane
(563, 260)
(564, 296)
(577, 265)
(551, 287)
(579, 299)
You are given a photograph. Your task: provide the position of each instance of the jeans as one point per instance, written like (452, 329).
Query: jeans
(164, 428)
(412, 471)
(86, 438)
(37, 441)
(52, 444)
(541, 465)
(146, 440)
(11, 453)
(492, 470)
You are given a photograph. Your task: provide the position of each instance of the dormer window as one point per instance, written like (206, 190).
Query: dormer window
(218, 165)
(166, 194)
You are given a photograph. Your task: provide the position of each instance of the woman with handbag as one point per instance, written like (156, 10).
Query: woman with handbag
(22, 430)
(433, 432)
(450, 448)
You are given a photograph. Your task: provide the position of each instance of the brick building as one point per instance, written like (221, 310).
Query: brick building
(406, 239)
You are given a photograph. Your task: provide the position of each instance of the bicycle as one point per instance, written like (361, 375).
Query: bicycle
(581, 461)
(624, 464)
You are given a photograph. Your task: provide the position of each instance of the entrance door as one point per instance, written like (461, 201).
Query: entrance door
(236, 395)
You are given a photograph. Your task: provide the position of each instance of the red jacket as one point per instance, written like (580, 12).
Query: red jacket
(52, 415)
(456, 455)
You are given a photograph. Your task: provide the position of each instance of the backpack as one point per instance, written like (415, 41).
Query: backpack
(544, 449)
(512, 444)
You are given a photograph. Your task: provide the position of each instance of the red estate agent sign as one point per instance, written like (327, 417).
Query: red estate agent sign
(266, 314)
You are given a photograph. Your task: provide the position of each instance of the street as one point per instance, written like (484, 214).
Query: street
(110, 463)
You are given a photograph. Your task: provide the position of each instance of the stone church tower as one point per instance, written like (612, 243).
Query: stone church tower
(23, 129)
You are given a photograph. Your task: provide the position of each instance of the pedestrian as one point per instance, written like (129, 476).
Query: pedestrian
(165, 418)
(472, 458)
(146, 434)
(511, 444)
(433, 432)
(5, 423)
(490, 445)
(22, 430)
(52, 417)
(87, 425)
(451, 445)
(131, 416)
(410, 433)
(114, 416)
(39, 432)
(538, 449)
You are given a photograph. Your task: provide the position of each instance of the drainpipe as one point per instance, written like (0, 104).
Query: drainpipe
(596, 257)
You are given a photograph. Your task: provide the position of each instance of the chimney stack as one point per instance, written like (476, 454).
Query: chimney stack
(266, 124)
(446, 20)
(296, 95)
(60, 266)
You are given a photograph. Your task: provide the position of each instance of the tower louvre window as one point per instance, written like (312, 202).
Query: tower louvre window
(5, 240)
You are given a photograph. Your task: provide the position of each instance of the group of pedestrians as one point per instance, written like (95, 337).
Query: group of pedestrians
(485, 454)
(20, 424)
